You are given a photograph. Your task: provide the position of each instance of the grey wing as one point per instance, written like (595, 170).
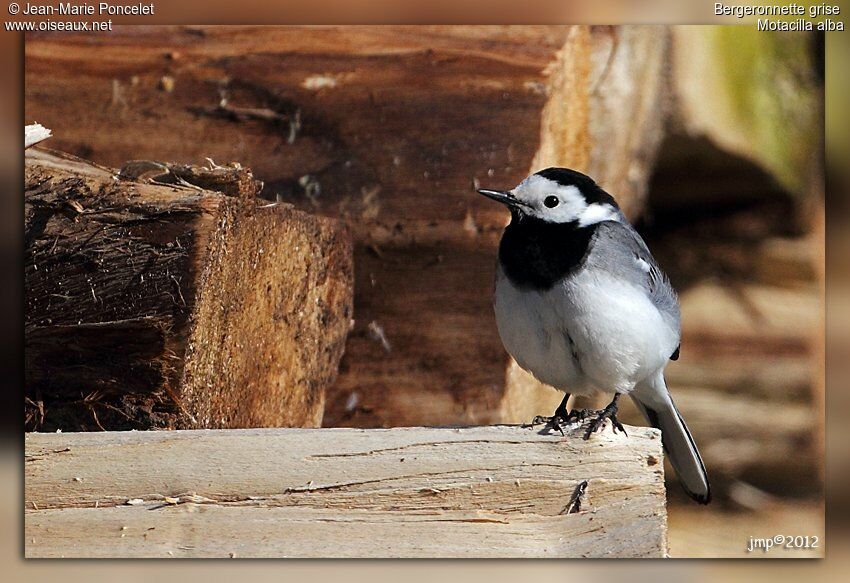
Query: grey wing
(616, 247)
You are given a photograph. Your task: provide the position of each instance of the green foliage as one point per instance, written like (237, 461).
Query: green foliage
(770, 80)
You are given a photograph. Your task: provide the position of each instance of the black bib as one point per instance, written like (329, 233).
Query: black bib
(535, 254)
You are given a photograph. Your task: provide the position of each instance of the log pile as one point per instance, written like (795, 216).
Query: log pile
(390, 128)
(156, 305)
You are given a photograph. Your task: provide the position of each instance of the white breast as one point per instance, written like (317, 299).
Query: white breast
(531, 330)
(618, 337)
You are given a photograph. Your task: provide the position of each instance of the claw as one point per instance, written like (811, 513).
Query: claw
(538, 420)
(550, 422)
(609, 412)
(557, 422)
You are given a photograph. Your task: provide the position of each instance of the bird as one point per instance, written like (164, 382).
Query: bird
(582, 305)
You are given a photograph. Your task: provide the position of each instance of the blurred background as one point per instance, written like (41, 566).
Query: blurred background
(709, 137)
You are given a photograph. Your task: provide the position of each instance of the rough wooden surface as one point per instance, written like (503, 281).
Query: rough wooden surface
(409, 492)
(151, 305)
(629, 104)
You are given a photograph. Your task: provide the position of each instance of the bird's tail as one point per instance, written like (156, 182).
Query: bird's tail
(654, 401)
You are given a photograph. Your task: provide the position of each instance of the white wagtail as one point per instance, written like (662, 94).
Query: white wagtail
(582, 305)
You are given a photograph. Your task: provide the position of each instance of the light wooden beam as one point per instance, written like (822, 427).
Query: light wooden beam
(494, 491)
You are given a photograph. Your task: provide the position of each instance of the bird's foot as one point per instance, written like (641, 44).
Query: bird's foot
(553, 422)
(559, 420)
(609, 412)
(578, 415)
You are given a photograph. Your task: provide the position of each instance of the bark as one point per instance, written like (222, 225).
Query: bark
(153, 305)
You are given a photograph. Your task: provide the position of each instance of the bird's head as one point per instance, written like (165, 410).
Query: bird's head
(559, 195)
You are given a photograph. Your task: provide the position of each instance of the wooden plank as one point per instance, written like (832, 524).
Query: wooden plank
(498, 491)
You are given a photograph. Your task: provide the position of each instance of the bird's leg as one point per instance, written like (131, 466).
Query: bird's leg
(609, 412)
(561, 410)
(556, 421)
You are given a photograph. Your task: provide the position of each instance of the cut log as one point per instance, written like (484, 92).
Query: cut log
(406, 492)
(169, 306)
(629, 103)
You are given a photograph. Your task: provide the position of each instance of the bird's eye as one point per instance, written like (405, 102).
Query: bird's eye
(551, 201)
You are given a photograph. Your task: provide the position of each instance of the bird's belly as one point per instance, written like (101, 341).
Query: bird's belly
(530, 332)
(590, 332)
(621, 337)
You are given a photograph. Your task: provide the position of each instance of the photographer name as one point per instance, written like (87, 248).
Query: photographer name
(101, 9)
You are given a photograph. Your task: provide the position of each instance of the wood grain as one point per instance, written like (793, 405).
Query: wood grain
(407, 492)
(152, 305)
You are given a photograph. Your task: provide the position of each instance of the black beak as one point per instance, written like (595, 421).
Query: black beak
(504, 197)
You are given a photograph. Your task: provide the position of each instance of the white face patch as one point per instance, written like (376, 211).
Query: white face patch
(555, 203)
(596, 213)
